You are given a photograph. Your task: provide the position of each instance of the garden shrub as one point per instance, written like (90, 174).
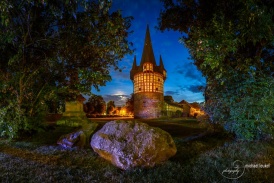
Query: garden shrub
(244, 106)
(14, 120)
(11, 120)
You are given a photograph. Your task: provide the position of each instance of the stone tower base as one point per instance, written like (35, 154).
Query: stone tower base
(148, 105)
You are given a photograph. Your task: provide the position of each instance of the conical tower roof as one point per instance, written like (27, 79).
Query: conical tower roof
(148, 55)
(161, 63)
(134, 65)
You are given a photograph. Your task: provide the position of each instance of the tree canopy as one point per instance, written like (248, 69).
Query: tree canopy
(169, 99)
(111, 107)
(96, 105)
(130, 104)
(232, 44)
(54, 48)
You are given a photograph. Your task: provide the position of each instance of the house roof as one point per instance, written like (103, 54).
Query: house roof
(193, 105)
(80, 98)
(174, 104)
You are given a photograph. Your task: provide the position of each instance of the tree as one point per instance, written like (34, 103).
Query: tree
(231, 43)
(111, 107)
(95, 105)
(169, 99)
(54, 49)
(130, 104)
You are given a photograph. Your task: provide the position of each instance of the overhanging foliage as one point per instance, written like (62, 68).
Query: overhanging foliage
(232, 44)
(57, 48)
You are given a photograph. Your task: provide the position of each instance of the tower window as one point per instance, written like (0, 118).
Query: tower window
(148, 67)
(148, 82)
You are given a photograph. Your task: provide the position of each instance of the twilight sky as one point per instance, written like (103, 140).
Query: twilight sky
(182, 76)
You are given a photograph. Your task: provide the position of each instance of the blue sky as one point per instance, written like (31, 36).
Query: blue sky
(182, 76)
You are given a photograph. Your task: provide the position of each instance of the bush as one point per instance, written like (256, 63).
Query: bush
(11, 120)
(244, 106)
(14, 120)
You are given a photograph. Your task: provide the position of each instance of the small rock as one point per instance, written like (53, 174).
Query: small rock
(79, 138)
(74, 139)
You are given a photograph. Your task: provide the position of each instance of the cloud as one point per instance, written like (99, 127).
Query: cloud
(189, 92)
(124, 75)
(171, 93)
(189, 70)
(195, 88)
(119, 100)
(125, 65)
(189, 96)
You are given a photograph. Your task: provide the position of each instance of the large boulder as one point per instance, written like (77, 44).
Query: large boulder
(133, 144)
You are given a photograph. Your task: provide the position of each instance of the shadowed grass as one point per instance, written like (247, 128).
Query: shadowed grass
(38, 159)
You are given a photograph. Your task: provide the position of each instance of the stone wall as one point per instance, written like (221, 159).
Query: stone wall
(74, 108)
(148, 105)
(74, 114)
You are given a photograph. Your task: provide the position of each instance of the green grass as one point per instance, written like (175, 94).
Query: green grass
(39, 159)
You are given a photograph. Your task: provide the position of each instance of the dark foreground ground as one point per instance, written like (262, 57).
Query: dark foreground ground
(199, 158)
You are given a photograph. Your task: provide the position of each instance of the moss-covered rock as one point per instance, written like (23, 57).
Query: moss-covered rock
(131, 144)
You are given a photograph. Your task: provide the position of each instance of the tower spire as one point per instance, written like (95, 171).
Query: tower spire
(134, 65)
(161, 62)
(133, 69)
(148, 55)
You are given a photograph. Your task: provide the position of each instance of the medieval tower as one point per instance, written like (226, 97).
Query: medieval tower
(148, 80)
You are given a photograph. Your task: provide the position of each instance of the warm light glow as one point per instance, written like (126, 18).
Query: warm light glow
(148, 82)
(164, 72)
(148, 67)
(197, 112)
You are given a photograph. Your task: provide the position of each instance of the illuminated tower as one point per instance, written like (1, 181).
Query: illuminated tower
(148, 81)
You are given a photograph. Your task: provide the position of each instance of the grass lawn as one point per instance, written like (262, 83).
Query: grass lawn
(198, 159)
